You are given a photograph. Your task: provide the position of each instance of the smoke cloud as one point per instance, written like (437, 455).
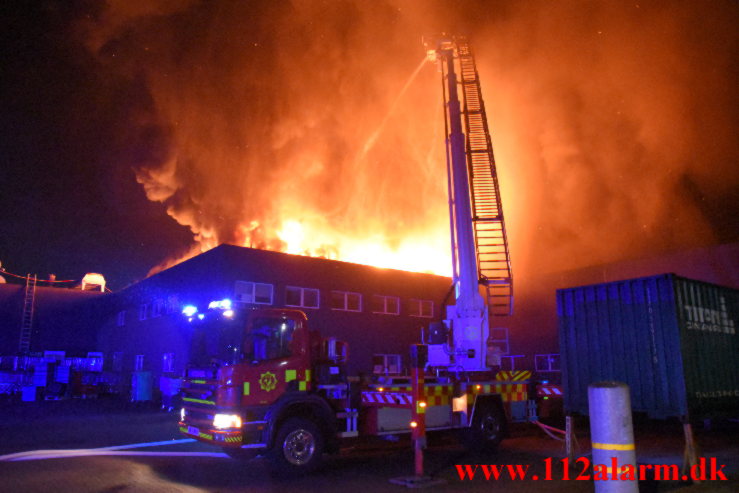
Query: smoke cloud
(285, 125)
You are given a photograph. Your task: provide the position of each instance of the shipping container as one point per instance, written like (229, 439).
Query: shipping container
(672, 340)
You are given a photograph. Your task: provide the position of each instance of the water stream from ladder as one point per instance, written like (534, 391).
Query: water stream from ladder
(373, 138)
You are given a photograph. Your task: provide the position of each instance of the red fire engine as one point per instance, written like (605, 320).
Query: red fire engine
(265, 382)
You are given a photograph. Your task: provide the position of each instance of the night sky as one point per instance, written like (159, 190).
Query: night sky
(70, 203)
(123, 127)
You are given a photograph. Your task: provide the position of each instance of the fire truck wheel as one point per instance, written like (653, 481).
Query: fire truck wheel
(298, 447)
(487, 431)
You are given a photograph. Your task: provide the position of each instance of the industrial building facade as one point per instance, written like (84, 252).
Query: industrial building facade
(377, 311)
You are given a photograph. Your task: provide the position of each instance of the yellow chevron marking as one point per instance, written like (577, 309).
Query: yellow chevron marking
(198, 401)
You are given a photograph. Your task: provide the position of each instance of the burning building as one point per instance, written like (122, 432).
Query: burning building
(377, 311)
(310, 128)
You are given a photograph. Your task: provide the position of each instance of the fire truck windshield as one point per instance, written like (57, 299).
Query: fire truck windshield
(222, 341)
(268, 339)
(217, 341)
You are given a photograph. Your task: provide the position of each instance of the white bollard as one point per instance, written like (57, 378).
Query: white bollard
(612, 436)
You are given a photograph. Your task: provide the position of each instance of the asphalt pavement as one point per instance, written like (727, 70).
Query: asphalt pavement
(112, 446)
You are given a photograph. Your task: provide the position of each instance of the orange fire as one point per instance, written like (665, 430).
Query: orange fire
(427, 253)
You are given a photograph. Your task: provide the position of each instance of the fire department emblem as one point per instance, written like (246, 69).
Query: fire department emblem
(268, 381)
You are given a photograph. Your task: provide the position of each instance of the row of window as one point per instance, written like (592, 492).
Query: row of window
(295, 297)
(138, 362)
(155, 309)
(152, 310)
(263, 294)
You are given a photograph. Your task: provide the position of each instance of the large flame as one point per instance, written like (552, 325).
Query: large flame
(425, 253)
(303, 127)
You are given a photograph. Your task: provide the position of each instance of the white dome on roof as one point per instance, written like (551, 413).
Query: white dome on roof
(93, 281)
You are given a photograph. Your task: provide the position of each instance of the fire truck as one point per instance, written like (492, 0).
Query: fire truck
(263, 381)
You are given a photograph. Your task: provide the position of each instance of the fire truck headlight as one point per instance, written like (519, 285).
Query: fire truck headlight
(182, 414)
(222, 421)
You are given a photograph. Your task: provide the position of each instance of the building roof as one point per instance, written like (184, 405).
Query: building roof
(214, 272)
(226, 254)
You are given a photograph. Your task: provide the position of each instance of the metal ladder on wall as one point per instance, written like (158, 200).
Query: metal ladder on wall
(493, 259)
(27, 321)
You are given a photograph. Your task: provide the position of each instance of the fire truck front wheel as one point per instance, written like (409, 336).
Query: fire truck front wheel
(298, 447)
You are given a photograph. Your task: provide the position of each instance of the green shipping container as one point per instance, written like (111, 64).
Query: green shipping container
(672, 340)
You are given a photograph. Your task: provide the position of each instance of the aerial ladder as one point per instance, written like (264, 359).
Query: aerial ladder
(482, 270)
(29, 299)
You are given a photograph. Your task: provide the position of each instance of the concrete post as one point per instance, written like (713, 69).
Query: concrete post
(690, 454)
(419, 357)
(569, 438)
(612, 436)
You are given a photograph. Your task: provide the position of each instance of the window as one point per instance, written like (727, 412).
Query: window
(138, 362)
(346, 301)
(547, 362)
(301, 297)
(499, 337)
(254, 292)
(387, 305)
(121, 318)
(168, 362)
(172, 304)
(143, 311)
(421, 308)
(157, 308)
(508, 362)
(117, 361)
(386, 364)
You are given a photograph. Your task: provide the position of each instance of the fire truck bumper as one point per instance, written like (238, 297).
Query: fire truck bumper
(224, 438)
